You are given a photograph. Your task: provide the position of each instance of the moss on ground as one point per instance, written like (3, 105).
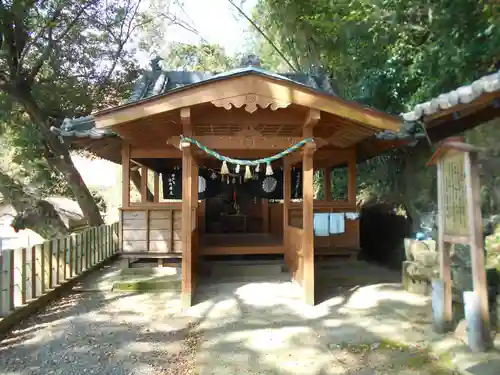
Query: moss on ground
(392, 357)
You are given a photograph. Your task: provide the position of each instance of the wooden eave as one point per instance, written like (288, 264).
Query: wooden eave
(280, 91)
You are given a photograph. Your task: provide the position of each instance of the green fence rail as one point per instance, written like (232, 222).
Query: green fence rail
(28, 273)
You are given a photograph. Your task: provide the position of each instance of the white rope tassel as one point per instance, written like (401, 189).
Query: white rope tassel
(269, 170)
(257, 168)
(224, 169)
(248, 173)
(237, 170)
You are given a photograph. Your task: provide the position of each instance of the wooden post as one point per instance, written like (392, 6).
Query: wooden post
(311, 120)
(24, 276)
(71, 246)
(308, 211)
(144, 184)
(475, 221)
(194, 225)
(6, 282)
(351, 178)
(125, 174)
(187, 211)
(287, 193)
(307, 225)
(444, 254)
(327, 184)
(156, 188)
(460, 222)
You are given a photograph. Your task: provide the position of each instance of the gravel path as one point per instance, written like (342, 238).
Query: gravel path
(103, 333)
(263, 327)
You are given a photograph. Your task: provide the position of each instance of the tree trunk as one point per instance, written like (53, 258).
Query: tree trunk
(60, 160)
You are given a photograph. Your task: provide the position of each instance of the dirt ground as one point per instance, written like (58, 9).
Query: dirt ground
(364, 324)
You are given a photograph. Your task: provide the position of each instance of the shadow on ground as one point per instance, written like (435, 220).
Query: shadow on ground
(251, 326)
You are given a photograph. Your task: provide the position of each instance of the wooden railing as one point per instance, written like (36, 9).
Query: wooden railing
(26, 274)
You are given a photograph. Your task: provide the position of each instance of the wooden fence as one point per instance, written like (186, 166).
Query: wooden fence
(26, 274)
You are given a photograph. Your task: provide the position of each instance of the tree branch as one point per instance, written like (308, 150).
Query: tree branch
(261, 32)
(122, 40)
(51, 42)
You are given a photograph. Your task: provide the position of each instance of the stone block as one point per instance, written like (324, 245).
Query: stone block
(427, 258)
(418, 271)
(417, 279)
(413, 247)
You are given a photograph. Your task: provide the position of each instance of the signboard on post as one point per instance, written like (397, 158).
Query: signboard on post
(460, 222)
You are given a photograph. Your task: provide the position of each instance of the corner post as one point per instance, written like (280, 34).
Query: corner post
(187, 212)
(308, 208)
(475, 222)
(287, 193)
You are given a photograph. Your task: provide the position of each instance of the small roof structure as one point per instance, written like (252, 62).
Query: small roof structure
(451, 144)
(158, 95)
(459, 110)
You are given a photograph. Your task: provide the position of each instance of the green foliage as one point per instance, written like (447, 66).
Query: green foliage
(203, 57)
(388, 53)
(58, 59)
(391, 55)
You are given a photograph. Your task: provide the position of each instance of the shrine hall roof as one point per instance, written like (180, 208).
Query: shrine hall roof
(157, 82)
(82, 131)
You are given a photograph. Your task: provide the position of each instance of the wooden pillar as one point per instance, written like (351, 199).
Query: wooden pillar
(351, 178)
(327, 184)
(287, 193)
(194, 226)
(311, 120)
(307, 225)
(144, 184)
(475, 221)
(187, 213)
(156, 193)
(444, 253)
(125, 174)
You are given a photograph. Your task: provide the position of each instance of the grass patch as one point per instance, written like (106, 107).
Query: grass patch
(147, 284)
(390, 357)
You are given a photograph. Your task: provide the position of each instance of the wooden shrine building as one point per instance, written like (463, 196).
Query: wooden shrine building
(172, 136)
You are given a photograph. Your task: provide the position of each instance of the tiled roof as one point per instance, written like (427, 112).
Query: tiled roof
(462, 95)
(81, 127)
(157, 82)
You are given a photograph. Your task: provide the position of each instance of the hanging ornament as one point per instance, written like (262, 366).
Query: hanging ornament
(237, 170)
(257, 168)
(269, 169)
(269, 184)
(234, 180)
(248, 173)
(213, 176)
(224, 169)
(227, 180)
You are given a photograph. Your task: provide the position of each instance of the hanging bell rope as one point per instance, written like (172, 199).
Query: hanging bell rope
(246, 163)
